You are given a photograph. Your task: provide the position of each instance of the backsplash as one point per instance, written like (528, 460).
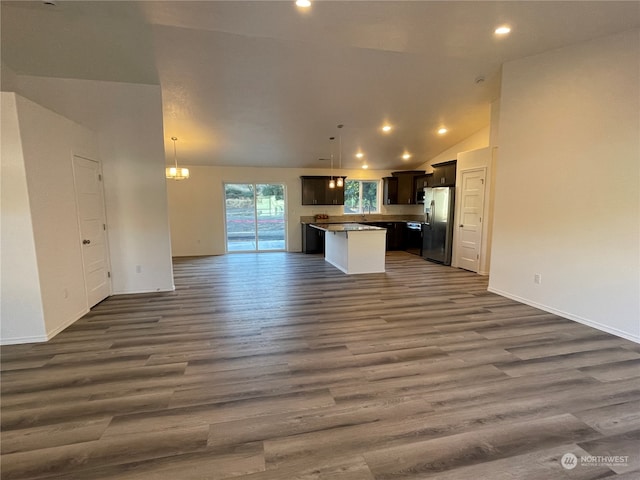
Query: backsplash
(374, 217)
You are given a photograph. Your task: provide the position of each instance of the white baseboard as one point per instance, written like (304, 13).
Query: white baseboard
(48, 336)
(19, 340)
(134, 292)
(62, 326)
(569, 316)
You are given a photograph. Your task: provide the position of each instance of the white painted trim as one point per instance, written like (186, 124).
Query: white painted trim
(49, 335)
(62, 326)
(569, 316)
(159, 290)
(458, 212)
(104, 218)
(21, 340)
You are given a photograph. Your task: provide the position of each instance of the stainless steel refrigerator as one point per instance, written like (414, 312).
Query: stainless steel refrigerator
(437, 235)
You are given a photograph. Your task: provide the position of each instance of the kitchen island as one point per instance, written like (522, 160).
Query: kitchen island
(353, 247)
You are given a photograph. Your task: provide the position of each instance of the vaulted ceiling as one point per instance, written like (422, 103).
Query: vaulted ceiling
(265, 83)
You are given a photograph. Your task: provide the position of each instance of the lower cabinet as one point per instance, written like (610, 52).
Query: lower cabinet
(395, 234)
(312, 239)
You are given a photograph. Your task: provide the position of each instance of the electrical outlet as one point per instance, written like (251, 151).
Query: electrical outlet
(138, 268)
(537, 279)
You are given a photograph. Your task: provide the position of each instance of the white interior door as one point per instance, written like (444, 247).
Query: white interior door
(469, 233)
(91, 218)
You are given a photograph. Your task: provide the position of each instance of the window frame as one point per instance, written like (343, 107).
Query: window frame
(360, 191)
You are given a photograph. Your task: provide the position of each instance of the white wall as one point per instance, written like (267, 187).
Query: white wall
(21, 312)
(8, 78)
(128, 121)
(568, 181)
(132, 147)
(196, 205)
(49, 142)
(480, 139)
(490, 197)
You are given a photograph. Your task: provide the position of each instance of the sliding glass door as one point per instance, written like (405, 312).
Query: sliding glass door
(255, 217)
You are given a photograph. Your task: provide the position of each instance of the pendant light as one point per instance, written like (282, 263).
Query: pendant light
(176, 173)
(332, 182)
(340, 179)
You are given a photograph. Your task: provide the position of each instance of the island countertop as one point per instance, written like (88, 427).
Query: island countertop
(345, 227)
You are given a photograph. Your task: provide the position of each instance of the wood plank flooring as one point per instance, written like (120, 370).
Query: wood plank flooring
(278, 366)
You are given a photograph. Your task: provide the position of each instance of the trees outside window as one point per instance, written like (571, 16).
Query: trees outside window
(361, 196)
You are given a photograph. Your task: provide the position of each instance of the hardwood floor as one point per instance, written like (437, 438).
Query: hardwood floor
(278, 366)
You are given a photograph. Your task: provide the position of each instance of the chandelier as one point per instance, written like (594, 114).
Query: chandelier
(175, 172)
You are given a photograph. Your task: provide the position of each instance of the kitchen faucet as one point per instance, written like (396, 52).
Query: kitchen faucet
(364, 218)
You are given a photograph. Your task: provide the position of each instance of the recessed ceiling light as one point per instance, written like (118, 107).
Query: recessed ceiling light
(365, 166)
(386, 128)
(442, 131)
(359, 154)
(406, 156)
(502, 30)
(303, 3)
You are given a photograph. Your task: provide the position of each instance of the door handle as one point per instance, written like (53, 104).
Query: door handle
(461, 226)
(86, 242)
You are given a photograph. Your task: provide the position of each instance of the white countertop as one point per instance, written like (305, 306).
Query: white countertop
(346, 227)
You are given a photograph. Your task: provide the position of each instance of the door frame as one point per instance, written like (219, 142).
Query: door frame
(255, 209)
(458, 213)
(106, 229)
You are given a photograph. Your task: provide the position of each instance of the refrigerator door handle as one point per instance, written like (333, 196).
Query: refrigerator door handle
(433, 213)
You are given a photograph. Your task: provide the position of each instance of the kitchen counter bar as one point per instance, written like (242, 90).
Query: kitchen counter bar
(354, 248)
(359, 222)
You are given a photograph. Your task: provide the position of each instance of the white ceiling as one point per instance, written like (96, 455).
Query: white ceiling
(264, 84)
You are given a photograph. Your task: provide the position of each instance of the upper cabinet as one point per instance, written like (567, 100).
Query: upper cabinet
(400, 189)
(421, 183)
(316, 191)
(390, 190)
(444, 175)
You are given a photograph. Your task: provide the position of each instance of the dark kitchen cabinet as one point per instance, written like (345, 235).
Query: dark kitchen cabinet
(444, 175)
(335, 196)
(395, 234)
(313, 190)
(390, 190)
(316, 191)
(400, 188)
(421, 183)
(312, 239)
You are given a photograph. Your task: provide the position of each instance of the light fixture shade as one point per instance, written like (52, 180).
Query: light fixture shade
(177, 173)
(332, 183)
(340, 182)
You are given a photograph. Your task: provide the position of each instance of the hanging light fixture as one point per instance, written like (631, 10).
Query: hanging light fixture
(340, 179)
(332, 182)
(175, 173)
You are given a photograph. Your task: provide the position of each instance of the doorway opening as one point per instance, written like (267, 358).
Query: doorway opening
(255, 217)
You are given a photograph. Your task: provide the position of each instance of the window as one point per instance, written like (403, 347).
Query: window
(255, 217)
(361, 196)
